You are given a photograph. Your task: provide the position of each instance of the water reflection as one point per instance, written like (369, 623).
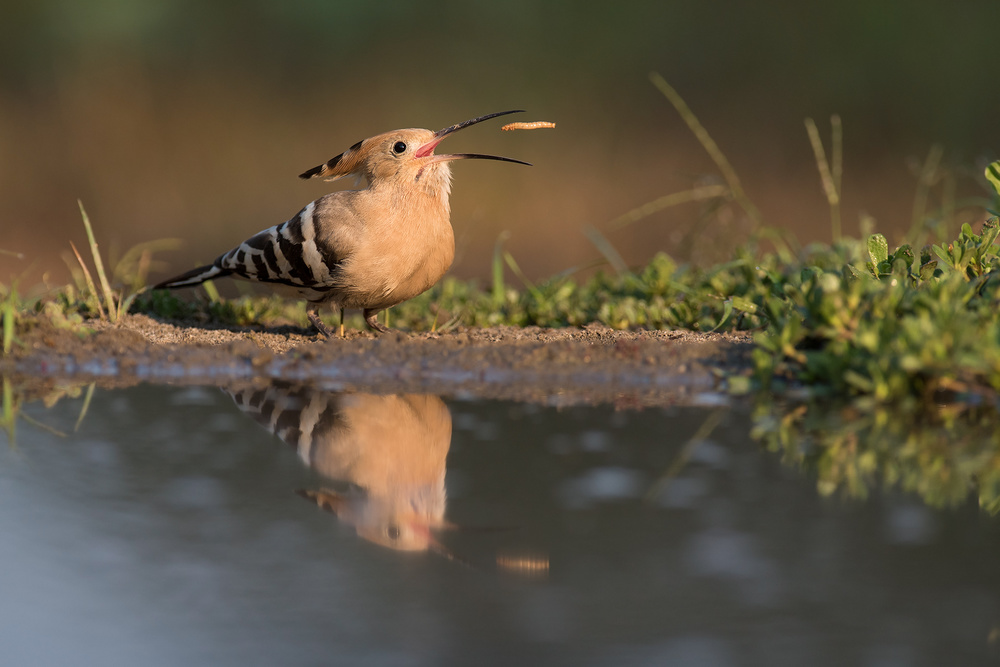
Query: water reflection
(390, 453)
(944, 454)
(389, 450)
(167, 526)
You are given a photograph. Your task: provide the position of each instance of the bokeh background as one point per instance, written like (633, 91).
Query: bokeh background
(190, 119)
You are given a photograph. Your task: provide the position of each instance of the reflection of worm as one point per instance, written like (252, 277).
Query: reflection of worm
(528, 126)
(529, 566)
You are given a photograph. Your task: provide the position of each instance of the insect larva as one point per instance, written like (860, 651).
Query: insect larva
(528, 126)
(527, 565)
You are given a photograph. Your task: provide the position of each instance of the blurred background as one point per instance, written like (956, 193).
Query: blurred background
(191, 120)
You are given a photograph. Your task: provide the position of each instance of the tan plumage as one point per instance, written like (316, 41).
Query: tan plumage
(390, 450)
(368, 249)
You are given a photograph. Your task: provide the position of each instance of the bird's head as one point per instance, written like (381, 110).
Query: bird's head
(406, 155)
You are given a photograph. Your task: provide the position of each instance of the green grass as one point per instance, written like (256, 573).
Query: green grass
(849, 319)
(68, 306)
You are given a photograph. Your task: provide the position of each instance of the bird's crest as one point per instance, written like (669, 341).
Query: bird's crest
(348, 162)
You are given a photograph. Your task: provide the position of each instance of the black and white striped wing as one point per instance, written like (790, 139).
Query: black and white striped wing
(301, 417)
(287, 253)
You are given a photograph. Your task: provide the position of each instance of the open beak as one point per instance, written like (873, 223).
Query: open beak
(427, 150)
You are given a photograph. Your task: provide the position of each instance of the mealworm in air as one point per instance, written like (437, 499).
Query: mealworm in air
(538, 124)
(526, 565)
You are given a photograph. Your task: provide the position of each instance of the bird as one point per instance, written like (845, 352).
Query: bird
(388, 450)
(384, 461)
(366, 249)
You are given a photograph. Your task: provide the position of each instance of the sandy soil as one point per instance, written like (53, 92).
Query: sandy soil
(593, 364)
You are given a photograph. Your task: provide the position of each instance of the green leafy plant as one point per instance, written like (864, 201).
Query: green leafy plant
(993, 177)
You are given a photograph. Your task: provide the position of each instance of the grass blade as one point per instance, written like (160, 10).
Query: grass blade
(453, 323)
(837, 166)
(9, 412)
(704, 431)
(606, 249)
(44, 427)
(710, 147)
(212, 291)
(86, 406)
(9, 314)
(133, 268)
(534, 291)
(498, 286)
(142, 270)
(89, 280)
(694, 194)
(126, 303)
(830, 187)
(727, 312)
(98, 264)
(925, 181)
(74, 271)
(565, 274)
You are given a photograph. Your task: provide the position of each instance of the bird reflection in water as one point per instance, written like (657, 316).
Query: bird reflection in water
(390, 450)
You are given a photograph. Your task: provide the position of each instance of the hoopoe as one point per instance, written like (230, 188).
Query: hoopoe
(366, 249)
(391, 450)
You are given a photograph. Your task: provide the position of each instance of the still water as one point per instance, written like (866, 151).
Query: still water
(172, 528)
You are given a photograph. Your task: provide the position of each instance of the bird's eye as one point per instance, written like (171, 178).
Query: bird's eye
(399, 148)
(392, 532)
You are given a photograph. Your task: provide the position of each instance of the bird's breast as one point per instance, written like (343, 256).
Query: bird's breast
(402, 255)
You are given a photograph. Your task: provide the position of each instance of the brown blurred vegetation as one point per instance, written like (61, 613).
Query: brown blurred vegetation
(175, 118)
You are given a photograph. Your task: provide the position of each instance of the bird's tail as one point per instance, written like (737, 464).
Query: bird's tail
(194, 277)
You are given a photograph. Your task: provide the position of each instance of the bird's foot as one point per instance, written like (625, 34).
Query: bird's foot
(318, 323)
(373, 323)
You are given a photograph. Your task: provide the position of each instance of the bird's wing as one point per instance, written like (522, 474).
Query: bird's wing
(287, 253)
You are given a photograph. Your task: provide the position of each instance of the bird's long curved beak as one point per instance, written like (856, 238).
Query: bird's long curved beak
(427, 150)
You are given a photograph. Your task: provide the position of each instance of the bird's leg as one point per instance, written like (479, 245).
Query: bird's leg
(341, 322)
(313, 316)
(370, 320)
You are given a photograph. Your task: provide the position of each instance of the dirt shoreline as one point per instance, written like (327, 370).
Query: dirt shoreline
(595, 364)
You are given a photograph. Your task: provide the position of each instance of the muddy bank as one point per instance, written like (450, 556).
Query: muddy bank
(593, 364)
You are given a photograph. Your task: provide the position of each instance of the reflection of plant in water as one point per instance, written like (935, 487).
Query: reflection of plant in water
(8, 410)
(12, 401)
(942, 456)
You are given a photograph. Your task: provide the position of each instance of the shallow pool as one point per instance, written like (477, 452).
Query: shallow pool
(286, 525)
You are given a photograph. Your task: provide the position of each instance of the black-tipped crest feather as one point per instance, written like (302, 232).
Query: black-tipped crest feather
(319, 170)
